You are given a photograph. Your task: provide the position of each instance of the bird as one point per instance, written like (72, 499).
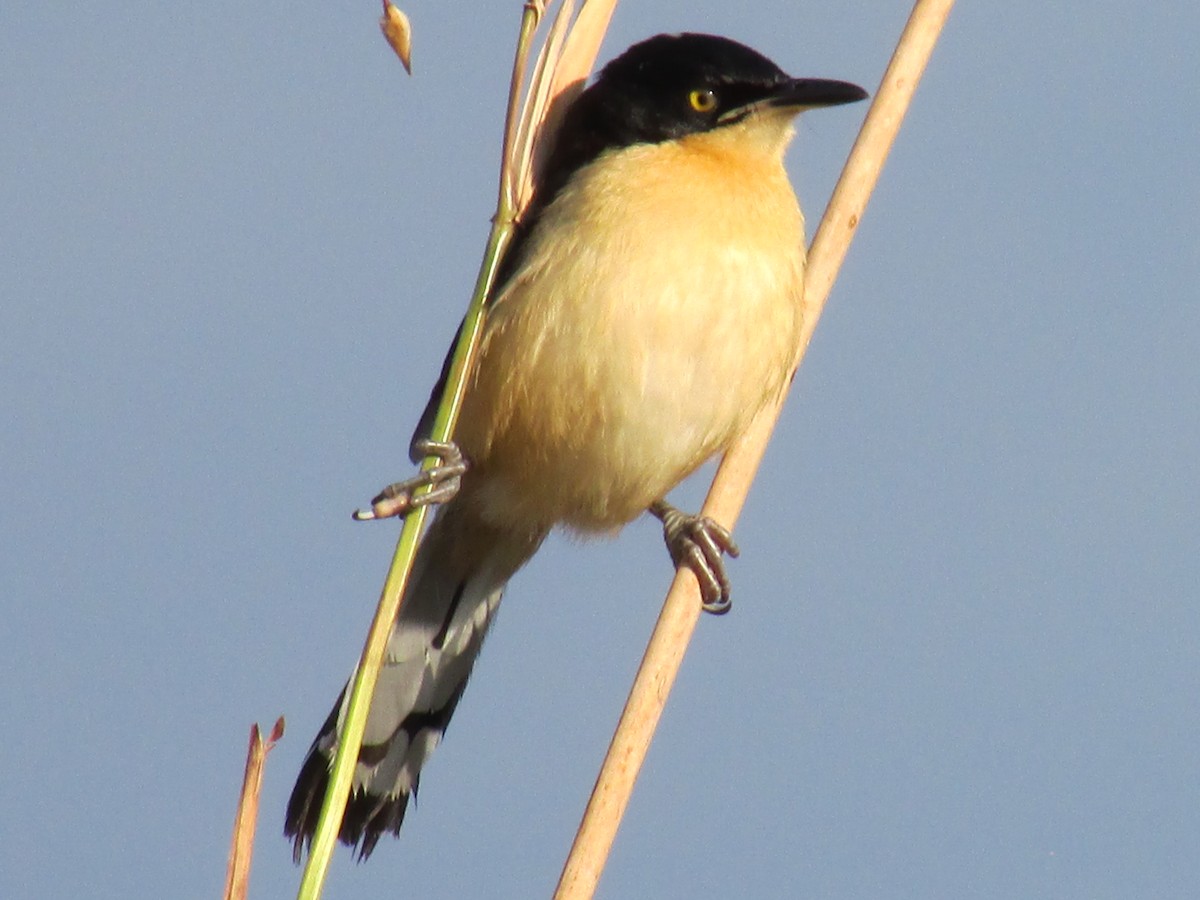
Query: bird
(649, 306)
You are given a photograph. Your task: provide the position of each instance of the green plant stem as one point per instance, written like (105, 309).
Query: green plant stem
(354, 723)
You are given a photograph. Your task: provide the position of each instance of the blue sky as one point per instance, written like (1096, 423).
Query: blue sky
(963, 659)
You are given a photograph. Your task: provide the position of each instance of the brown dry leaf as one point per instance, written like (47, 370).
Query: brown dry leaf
(398, 33)
(563, 64)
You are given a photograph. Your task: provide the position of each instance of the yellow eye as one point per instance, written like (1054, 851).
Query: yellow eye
(703, 101)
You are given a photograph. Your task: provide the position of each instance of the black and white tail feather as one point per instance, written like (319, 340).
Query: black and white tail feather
(460, 572)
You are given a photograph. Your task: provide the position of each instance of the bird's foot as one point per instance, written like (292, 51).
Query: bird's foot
(699, 543)
(443, 481)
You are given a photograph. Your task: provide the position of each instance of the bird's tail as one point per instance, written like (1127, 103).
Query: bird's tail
(460, 572)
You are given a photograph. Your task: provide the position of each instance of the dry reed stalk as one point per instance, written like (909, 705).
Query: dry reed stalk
(241, 850)
(681, 609)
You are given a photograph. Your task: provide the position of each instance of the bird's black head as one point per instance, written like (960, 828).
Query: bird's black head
(671, 86)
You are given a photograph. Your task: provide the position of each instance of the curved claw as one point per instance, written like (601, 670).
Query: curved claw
(700, 543)
(443, 481)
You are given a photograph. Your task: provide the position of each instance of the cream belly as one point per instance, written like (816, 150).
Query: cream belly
(614, 366)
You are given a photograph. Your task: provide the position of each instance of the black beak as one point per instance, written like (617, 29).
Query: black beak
(813, 92)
